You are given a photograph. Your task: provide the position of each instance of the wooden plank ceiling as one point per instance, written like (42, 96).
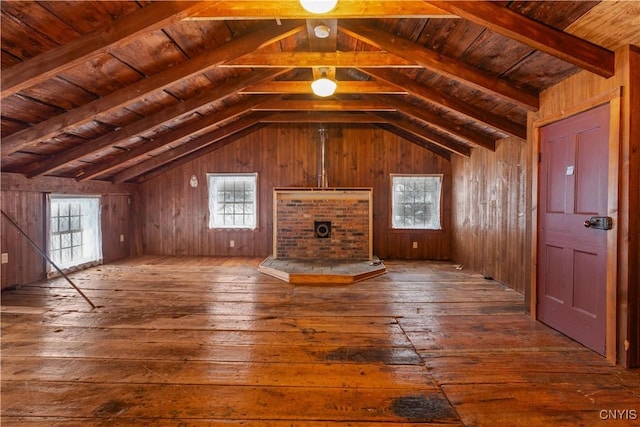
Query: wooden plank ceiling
(115, 90)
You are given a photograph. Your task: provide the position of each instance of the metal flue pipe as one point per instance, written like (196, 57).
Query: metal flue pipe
(323, 137)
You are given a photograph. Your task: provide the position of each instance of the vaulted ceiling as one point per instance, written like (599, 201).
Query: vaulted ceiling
(120, 91)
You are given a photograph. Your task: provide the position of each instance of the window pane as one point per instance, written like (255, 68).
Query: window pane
(76, 239)
(75, 233)
(66, 240)
(232, 200)
(74, 223)
(416, 202)
(65, 256)
(55, 256)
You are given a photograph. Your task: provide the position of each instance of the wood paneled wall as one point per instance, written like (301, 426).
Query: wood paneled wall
(176, 215)
(24, 201)
(365, 159)
(25, 265)
(490, 212)
(583, 91)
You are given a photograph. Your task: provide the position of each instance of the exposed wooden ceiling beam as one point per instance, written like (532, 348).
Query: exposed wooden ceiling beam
(194, 128)
(186, 148)
(426, 134)
(433, 61)
(416, 140)
(322, 59)
(200, 152)
(544, 38)
(291, 9)
(45, 66)
(322, 117)
(437, 121)
(324, 105)
(304, 87)
(135, 92)
(434, 96)
(144, 125)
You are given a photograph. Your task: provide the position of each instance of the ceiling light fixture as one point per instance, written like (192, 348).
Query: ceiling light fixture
(322, 31)
(324, 86)
(318, 6)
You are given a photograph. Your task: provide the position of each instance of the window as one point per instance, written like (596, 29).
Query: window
(416, 201)
(75, 237)
(232, 200)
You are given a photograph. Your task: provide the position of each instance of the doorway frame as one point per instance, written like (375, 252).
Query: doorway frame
(614, 99)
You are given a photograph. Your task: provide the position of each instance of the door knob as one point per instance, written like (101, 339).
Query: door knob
(599, 222)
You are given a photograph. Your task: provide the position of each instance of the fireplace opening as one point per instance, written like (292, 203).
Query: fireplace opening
(322, 229)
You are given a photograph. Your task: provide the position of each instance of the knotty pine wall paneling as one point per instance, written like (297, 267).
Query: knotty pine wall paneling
(25, 264)
(117, 221)
(24, 200)
(490, 212)
(176, 215)
(368, 158)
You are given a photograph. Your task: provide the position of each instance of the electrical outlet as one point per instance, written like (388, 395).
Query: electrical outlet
(5, 258)
(122, 237)
(415, 245)
(232, 243)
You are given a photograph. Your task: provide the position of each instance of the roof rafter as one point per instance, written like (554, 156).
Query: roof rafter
(322, 59)
(436, 149)
(207, 123)
(141, 126)
(434, 96)
(544, 38)
(44, 66)
(322, 117)
(324, 105)
(200, 152)
(187, 148)
(449, 67)
(426, 134)
(291, 9)
(437, 121)
(135, 92)
(304, 87)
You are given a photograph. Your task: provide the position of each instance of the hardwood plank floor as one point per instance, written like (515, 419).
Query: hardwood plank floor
(212, 341)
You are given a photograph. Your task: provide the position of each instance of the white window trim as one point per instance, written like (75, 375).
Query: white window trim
(95, 256)
(213, 201)
(437, 226)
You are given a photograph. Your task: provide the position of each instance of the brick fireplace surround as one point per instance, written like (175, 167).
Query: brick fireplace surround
(298, 212)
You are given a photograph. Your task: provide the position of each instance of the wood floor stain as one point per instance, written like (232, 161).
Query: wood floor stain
(423, 408)
(213, 342)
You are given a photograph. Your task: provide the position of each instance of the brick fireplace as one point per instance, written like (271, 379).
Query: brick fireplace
(323, 223)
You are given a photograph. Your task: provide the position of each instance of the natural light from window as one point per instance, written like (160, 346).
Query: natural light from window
(416, 201)
(232, 200)
(75, 237)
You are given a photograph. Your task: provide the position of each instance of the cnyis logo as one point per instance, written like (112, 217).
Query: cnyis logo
(618, 414)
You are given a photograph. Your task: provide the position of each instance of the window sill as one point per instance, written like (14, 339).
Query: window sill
(234, 230)
(415, 230)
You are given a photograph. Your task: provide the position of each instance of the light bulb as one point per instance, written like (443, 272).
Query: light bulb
(318, 6)
(324, 87)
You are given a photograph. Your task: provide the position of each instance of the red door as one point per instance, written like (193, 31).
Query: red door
(571, 256)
